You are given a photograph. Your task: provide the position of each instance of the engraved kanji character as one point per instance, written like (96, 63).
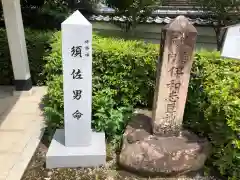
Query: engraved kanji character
(185, 58)
(76, 74)
(76, 51)
(77, 94)
(172, 57)
(171, 107)
(77, 115)
(176, 71)
(174, 86)
(173, 97)
(169, 117)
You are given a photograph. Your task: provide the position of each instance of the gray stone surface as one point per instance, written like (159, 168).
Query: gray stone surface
(21, 128)
(160, 156)
(60, 156)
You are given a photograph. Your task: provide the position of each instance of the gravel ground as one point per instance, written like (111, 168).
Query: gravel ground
(36, 170)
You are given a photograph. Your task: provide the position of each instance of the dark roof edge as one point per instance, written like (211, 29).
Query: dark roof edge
(163, 10)
(163, 15)
(150, 20)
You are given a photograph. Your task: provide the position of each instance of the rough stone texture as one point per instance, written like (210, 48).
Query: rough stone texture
(154, 155)
(173, 72)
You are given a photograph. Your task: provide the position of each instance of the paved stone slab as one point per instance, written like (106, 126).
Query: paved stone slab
(6, 104)
(13, 122)
(18, 169)
(22, 107)
(5, 91)
(9, 159)
(60, 156)
(8, 139)
(21, 128)
(24, 93)
(36, 94)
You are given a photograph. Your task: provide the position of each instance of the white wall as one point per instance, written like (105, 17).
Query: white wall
(151, 33)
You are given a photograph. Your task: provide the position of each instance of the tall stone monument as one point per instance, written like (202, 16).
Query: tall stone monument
(154, 143)
(77, 145)
(173, 74)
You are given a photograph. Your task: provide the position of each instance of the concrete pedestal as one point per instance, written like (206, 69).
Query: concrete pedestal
(61, 156)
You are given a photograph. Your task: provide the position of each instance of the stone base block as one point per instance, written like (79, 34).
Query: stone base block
(60, 156)
(152, 155)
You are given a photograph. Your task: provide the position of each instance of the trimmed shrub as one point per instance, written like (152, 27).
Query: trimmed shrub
(127, 67)
(121, 73)
(213, 109)
(37, 47)
(124, 78)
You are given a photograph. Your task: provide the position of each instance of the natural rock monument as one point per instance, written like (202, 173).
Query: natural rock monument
(154, 143)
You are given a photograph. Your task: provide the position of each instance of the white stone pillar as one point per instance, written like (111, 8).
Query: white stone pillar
(77, 79)
(17, 44)
(77, 145)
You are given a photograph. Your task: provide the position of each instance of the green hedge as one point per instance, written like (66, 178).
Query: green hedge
(124, 77)
(123, 74)
(38, 47)
(126, 67)
(213, 108)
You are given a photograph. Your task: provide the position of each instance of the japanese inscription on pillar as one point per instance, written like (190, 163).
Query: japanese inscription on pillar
(173, 73)
(77, 75)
